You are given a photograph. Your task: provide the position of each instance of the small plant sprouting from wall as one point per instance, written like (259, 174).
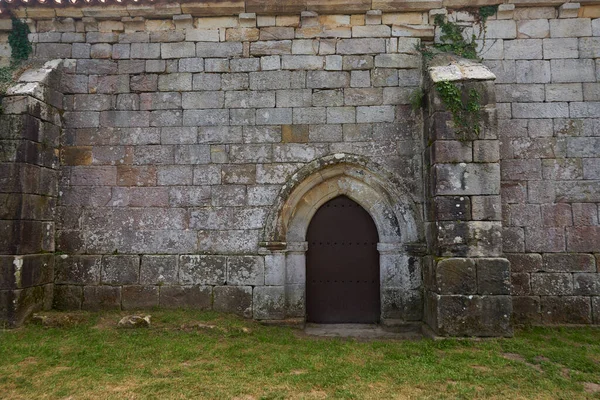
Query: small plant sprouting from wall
(465, 115)
(416, 99)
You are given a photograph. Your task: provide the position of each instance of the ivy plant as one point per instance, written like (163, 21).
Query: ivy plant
(466, 115)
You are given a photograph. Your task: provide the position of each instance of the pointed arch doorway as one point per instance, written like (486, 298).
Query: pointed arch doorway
(342, 265)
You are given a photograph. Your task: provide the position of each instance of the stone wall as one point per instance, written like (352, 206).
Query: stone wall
(186, 134)
(30, 126)
(547, 88)
(180, 135)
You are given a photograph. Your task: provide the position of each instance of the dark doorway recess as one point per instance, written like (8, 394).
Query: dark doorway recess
(342, 265)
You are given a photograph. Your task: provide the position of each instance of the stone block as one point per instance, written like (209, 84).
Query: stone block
(470, 315)
(245, 270)
(120, 270)
(274, 116)
(67, 298)
(97, 298)
(583, 238)
(158, 270)
(216, 65)
(451, 208)
(361, 46)
(586, 284)
(206, 99)
(144, 83)
(589, 47)
(535, 71)
(261, 134)
(202, 270)
(210, 117)
(177, 50)
(233, 299)
(202, 35)
(191, 65)
(178, 82)
(455, 276)
(493, 276)
(139, 297)
(101, 50)
(309, 115)
(561, 48)
(466, 239)
(450, 151)
(549, 240)
(371, 31)
(360, 79)
(244, 117)
(270, 63)
(533, 28)
(520, 284)
(271, 47)
(173, 175)
(269, 302)
(584, 214)
(467, 179)
(400, 61)
(375, 114)
(230, 195)
(565, 71)
(250, 99)
(541, 110)
(566, 309)
(207, 175)
(523, 49)
(78, 270)
(191, 297)
(486, 208)
(218, 50)
(327, 79)
(400, 304)
(526, 310)
(275, 269)
(557, 215)
(577, 27)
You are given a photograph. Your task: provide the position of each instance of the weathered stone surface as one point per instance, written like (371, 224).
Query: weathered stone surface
(193, 297)
(470, 315)
(120, 270)
(269, 302)
(158, 270)
(566, 310)
(456, 276)
(202, 270)
(97, 298)
(233, 299)
(134, 322)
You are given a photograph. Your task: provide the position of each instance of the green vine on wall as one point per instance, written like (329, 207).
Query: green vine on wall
(19, 40)
(466, 115)
(453, 40)
(21, 49)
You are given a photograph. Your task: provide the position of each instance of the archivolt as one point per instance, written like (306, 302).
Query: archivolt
(392, 208)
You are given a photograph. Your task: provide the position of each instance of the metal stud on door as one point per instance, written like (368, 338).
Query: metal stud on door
(342, 265)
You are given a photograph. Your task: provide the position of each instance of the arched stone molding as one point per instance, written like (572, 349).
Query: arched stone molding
(394, 211)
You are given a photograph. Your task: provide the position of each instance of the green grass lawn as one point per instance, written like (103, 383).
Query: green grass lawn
(207, 355)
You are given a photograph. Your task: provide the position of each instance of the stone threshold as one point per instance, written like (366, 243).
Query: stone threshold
(365, 331)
